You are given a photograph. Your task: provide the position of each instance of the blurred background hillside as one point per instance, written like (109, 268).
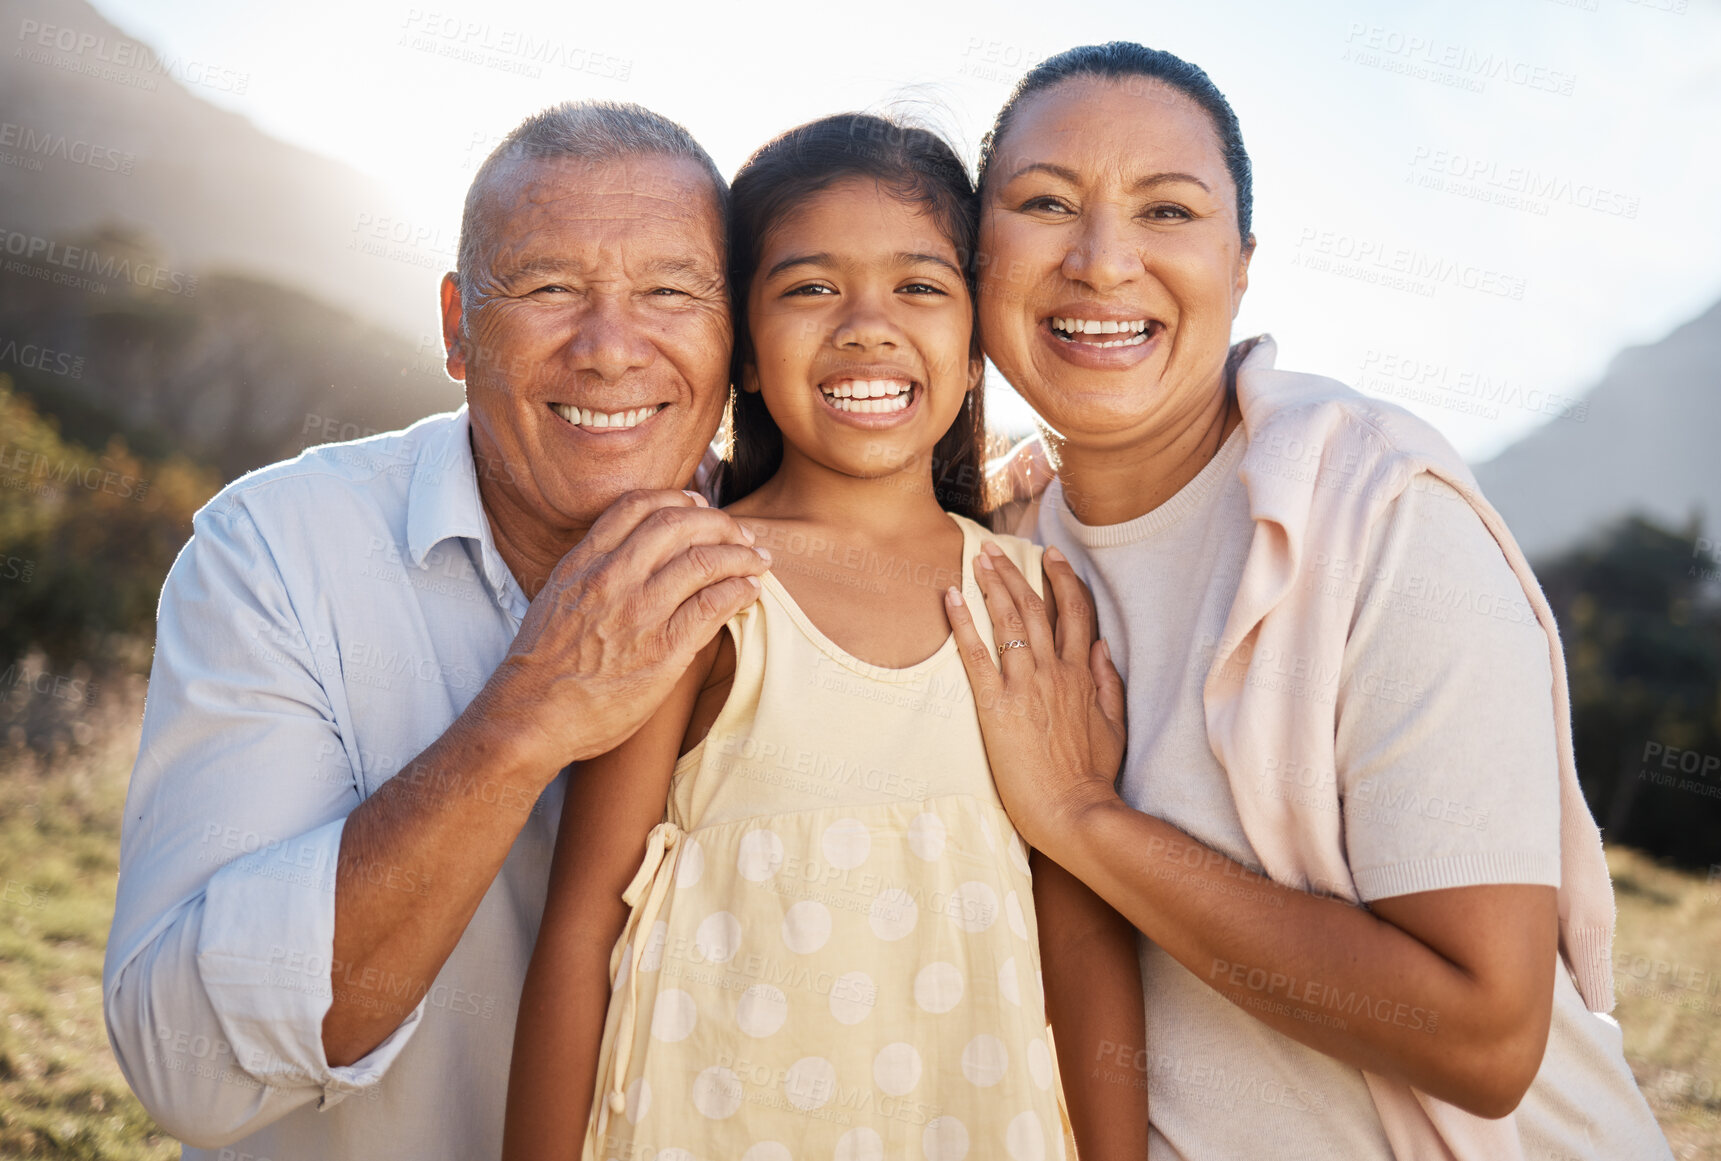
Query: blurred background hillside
(189, 291)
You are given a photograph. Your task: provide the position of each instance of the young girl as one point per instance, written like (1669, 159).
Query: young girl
(832, 946)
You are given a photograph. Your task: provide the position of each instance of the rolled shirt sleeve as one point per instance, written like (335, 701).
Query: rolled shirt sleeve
(1447, 759)
(218, 966)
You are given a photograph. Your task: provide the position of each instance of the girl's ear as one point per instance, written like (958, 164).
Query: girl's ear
(976, 371)
(750, 379)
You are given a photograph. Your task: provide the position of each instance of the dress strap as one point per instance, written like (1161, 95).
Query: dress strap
(650, 882)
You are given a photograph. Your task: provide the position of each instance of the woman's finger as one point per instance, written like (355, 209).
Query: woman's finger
(1028, 604)
(1015, 660)
(977, 658)
(1108, 687)
(1076, 628)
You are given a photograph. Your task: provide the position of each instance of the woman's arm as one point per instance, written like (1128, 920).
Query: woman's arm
(1093, 999)
(612, 803)
(1448, 991)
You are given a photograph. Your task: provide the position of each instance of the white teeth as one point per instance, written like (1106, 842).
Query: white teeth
(604, 420)
(869, 395)
(1089, 326)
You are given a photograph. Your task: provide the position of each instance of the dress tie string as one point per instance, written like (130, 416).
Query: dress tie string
(651, 881)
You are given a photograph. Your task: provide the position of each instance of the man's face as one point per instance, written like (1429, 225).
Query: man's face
(596, 356)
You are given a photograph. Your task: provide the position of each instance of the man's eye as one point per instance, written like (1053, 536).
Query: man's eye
(667, 291)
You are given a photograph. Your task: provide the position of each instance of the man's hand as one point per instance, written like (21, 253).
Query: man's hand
(619, 621)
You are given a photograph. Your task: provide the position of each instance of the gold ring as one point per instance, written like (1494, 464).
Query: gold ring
(1017, 644)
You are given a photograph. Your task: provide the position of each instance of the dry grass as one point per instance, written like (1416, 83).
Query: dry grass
(62, 1096)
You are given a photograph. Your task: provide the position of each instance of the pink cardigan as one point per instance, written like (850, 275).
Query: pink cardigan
(1322, 465)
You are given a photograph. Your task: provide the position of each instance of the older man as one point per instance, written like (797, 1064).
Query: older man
(372, 662)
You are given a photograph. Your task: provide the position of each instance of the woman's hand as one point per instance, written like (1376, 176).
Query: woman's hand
(1052, 712)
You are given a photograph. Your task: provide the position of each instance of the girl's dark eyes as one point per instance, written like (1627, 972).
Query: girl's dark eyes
(811, 290)
(923, 288)
(817, 290)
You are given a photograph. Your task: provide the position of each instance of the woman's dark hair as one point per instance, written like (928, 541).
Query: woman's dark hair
(913, 164)
(1124, 60)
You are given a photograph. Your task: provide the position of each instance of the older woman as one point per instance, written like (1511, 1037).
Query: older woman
(1376, 919)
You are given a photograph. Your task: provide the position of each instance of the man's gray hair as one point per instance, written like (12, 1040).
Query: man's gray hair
(595, 131)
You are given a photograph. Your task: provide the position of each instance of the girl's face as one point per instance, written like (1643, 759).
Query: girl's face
(1113, 266)
(861, 325)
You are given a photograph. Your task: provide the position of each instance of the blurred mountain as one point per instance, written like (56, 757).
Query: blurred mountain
(239, 374)
(95, 127)
(1649, 443)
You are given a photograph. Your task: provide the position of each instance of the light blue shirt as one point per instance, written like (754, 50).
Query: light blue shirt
(330, 618)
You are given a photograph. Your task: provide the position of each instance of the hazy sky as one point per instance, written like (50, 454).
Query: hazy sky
(1467, 206)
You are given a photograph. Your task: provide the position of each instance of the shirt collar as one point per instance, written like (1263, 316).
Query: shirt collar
(443, 501)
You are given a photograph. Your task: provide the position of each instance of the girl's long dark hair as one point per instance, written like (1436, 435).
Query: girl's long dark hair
(910, 163)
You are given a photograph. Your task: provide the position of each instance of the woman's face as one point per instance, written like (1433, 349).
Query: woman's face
(1111, 263)
(861, 326)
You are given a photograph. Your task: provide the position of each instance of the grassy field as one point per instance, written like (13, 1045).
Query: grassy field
(62, 1096)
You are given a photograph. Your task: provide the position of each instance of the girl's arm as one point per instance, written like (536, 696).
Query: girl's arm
(1094, 1002)
(612, 803)
(1093, 999)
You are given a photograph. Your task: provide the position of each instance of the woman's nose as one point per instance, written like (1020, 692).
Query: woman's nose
(1102, 257)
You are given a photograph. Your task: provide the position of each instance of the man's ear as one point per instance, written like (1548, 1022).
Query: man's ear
(451, 340)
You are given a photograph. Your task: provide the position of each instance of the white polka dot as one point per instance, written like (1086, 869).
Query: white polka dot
(1013, 912)
(974, 906)
(691, 865)
(674, 1016)
(768, 1151)
(926, 836)
(846, 843)
(761, 853)
(987, 833)
(862, 1144)
(1040, 1063)
(943, 1139)
(716, 1093)
(762, 1010)
(893, 914)
(811, 1081)
(1008, 985)
(938, 987)
(717, 937)
(652, 959)
(896, 1069)
(806, 926)
(852, 996)
(638, 1100)
(985, 1060)
(1018, 853)
(1024, 1139)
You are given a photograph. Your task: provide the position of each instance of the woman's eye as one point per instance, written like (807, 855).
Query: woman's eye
(1168, 213)
(1045, 204)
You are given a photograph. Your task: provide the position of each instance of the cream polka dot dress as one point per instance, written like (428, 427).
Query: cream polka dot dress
(832, 950)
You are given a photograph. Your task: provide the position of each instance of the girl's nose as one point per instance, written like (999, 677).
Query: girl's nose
(867, 324)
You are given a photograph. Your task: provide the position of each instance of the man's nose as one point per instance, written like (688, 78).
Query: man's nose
(610, 341)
